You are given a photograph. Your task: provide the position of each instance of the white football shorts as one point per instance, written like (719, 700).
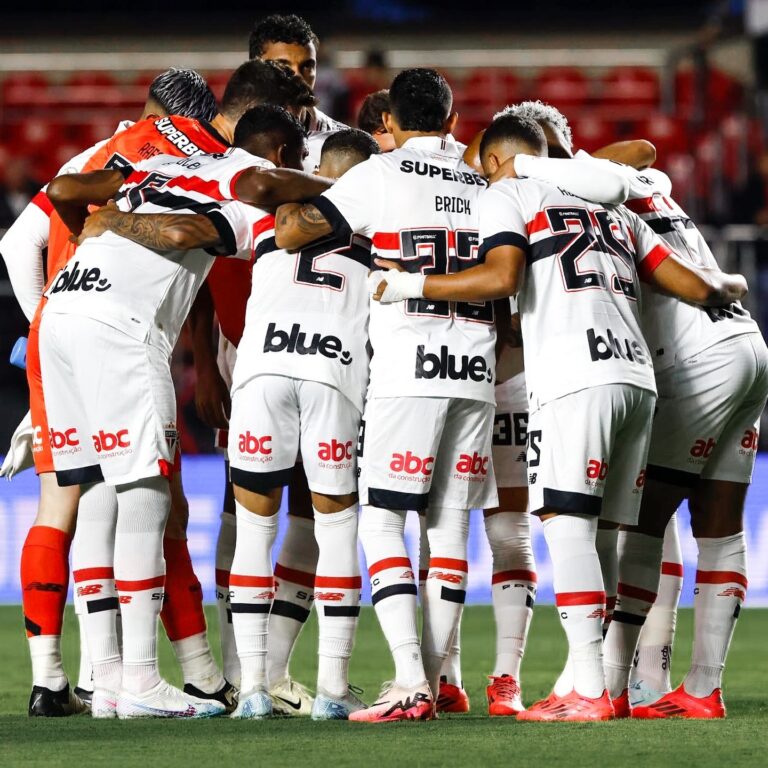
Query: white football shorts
(226, 356)
(275, 416)
(510, 433)
(708, 414)
(421, 451)
(587, 452)
(110, 402)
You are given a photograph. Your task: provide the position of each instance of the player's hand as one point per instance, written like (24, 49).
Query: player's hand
(395, 285)
(387, 264)
(97, 223)
(505, 171)
(212, 399)
(377, 289)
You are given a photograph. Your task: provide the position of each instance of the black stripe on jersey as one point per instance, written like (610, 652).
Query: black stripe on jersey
(665, 225)
(628, 618)
(359, 250)
(259, 482)
(341, 228)
(290, 610)
(226, 233)
(379, 497)
(268, 245)
(341, 610)
(104, 604)
(551, 246)
(174, 202)
(568, 501)
(80, 476)
(393, 589)
(678, 477)
(503, 238)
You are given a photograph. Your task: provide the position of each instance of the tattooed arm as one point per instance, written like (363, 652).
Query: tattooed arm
(72, 193)
(158, 231)
(297, 225)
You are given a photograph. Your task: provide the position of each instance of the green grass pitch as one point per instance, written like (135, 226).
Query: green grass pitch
(451, 742)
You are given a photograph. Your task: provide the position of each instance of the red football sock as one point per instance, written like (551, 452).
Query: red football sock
(182, 613)
(44, 579)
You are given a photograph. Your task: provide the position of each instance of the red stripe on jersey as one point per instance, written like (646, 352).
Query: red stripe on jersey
(652, 260)
(141, 584)
(340, 582)
(641, 205)
(672, 569)
(580, 598)
(388, 562)
(448, 562)
(539, 223)
(262, 226)
(137, 177)
(390, 241)
(222, 578)
(89, 574)
(295, 576)
(627, 590)
(43, 202)
(522, 575)
(236, 580)
(721, 577)
(207, 187)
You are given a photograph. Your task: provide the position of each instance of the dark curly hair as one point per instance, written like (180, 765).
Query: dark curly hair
(280, 29)
(420, 100)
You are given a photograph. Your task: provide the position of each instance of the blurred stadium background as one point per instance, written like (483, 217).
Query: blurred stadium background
(690, 76)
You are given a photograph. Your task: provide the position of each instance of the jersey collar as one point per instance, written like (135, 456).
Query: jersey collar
(446, 145)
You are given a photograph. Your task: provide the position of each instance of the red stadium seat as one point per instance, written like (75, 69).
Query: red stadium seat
(24, 89)
(217, 82)
(564, 87)
(630, 87)
(492, 88)
(669, 134)
(591, 133)
(722, 94)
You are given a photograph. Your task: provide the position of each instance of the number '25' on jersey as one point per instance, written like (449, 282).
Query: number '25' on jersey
(579, 298)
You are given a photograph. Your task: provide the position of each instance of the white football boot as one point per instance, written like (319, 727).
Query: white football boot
(327, 707)
(164, 700)
(290, 699)
(254, 705)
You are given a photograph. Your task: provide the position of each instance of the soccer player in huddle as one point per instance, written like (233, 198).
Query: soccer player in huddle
(586, 321)
(145, 332)
(369, 119)
(45, 554)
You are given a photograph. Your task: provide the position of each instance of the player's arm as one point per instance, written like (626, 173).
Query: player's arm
(637, 153)
(212, 399)
(498, 277)
(297, 224)
(267, 188)
(595, 182)
(22, 250)
(73, 193)
(158, 231)
(697, 285)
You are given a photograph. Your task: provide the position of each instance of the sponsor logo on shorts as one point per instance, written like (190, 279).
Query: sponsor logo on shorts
(597, 471)
(37, 439)
(444, 365)
(702, 449)
(73, 278)
(254, 448)
(295, 341)
(64, 441)
(639, 482)
(408, 466)
(335, 455)
(749, 441)
(115, 443)
(472, 468)
(609, 346)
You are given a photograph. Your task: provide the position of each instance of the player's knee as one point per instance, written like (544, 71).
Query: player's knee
(58, 504)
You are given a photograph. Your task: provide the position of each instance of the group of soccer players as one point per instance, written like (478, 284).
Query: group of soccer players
(384, 321)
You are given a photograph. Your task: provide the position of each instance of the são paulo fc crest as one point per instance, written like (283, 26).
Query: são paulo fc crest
(171, 436)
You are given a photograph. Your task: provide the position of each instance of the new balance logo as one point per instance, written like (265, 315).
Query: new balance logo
(445, 366)
(74, 279)
(110, 441)
(611, 347)
(295, 341)
(739, 594)
(451, 578)
(89, 589)
(411, 464)
(44, 586)
(329, 596)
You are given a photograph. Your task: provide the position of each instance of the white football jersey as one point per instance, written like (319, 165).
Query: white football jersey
(674, 329)
(419, 206)
(580, 293)
(319, 127)
(307, 315)
(142, 292)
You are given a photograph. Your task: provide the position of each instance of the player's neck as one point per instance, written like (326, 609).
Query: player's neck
(224, 126)
(402, 136)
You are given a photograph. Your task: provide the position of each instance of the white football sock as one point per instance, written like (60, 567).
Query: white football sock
(721, 586)
(393, 589)
(47, 666)
(225, 551)
(93, 559)
(143, 509)
(446, 588)
(639, 563)
(580, 597)
(513, 587)
(606, 546)
(295, 583)
(252, 586)
(337, 597)
(197, 665)
(653, 659)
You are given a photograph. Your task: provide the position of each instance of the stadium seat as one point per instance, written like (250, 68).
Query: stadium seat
(722, 94)
(591, 133)
(669, 134)
(565, 87)
(23, 90)
(629, 87)
(492, 88)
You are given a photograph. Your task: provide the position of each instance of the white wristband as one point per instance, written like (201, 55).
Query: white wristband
(400, 285)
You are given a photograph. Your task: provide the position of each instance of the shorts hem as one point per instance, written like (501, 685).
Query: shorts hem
(570, 502)
(79, 476)
(259, 482)
(380, 497)
(671, 475)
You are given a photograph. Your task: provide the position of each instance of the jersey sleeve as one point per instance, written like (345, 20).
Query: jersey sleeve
(241, 228)
(501, 222)
(648, 182)
(650, 249)
(349, 203)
